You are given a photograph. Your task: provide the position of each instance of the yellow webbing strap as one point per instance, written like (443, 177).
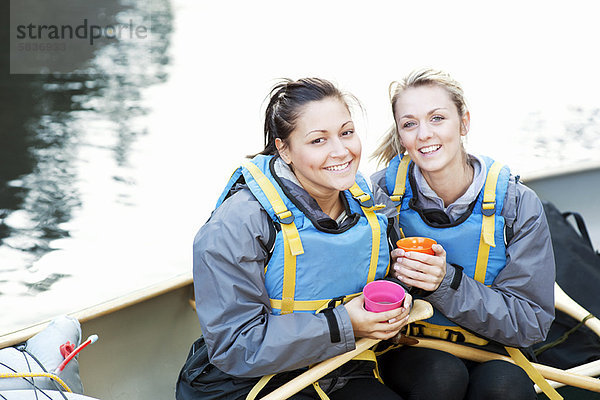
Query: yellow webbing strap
(489, 203)
(400, 186)
(312, 305)
(291, 237)
(488, 222)
(259, 386)
(290, 231)
(360, 195)
(533, 373)
(289, 280)
(369, 355)
(320, 391)
(449, 333)
(37, 375)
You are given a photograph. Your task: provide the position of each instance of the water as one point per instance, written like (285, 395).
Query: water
(105, 177)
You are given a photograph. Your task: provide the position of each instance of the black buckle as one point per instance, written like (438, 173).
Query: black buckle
(333, 302)
(488, 212)
(285, 217)
(397, 199)
(416, 329)
(368, 203)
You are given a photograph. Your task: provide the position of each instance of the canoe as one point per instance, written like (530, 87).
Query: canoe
(143, 341)
(145, 336)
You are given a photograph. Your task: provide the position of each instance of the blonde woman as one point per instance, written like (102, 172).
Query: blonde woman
(492, 275)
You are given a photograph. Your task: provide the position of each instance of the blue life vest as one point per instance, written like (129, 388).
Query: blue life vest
(476, 243)
(309, 267)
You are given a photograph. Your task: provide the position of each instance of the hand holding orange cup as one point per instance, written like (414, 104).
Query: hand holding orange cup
(417, 243)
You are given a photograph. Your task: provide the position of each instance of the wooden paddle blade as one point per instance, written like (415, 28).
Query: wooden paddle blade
(570, 307)
(420, 310)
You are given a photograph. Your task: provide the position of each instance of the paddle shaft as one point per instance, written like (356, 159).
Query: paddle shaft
(551, 373)
(569, 306)
(421, 310)
(590, 369)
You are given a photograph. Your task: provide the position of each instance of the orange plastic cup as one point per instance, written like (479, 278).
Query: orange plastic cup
(416, 243)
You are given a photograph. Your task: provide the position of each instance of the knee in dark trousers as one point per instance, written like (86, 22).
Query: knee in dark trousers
(499, 380)
(424, 374)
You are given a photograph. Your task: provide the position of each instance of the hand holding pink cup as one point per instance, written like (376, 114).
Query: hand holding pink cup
(383, 296)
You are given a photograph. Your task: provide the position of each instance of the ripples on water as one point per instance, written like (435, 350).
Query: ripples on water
(54, 126)
(558, 140)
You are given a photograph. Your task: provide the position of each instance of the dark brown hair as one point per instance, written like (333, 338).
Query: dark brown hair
(286, 101)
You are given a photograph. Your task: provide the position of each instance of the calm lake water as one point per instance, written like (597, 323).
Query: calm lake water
(106, 175)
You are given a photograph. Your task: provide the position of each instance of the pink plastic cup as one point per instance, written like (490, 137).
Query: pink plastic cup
(383, 296)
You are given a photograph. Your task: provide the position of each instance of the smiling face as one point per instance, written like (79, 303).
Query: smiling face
(323, 149)
(430, 128)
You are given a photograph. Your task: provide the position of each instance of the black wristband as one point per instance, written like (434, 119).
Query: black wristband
(416, 292)
(458, 272)
(334, 330)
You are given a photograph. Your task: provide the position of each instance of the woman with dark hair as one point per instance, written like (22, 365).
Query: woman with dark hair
(491, 279)
(280, 265)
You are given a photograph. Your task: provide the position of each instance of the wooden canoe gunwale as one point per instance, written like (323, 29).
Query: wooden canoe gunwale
(103, 308)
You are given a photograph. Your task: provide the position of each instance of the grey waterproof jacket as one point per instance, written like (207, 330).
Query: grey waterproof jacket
(518, 308)
(243, 338)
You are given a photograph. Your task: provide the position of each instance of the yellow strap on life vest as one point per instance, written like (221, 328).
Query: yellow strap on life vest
(360, 195)
(265, 379)
(488, 222)
(291, 237)
(312, 305)
(402, 235)
(290, 230)
(289, 279)
(37, 375)
(533, 373)
(400, 186)
(369, 355)
(320, 392)
(489, 203)
(259, 386)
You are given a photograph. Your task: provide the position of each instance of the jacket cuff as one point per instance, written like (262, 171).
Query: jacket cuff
(445, 287)
(345, 327)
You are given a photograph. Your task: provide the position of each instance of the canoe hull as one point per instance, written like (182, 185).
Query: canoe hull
(141, 348)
